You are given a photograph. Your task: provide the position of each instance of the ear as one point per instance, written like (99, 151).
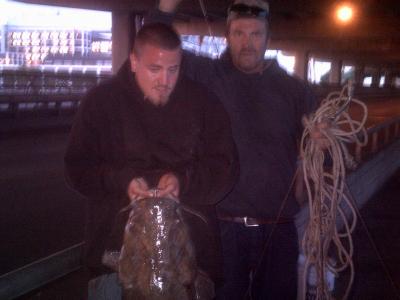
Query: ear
(133, 59)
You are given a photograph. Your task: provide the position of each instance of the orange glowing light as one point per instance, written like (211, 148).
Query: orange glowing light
(344, 13)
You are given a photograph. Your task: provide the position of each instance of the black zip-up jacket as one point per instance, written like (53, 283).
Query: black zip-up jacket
(265, 110)
(118, 135)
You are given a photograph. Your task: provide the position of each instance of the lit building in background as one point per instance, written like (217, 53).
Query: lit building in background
(54, 37)
(318, 71)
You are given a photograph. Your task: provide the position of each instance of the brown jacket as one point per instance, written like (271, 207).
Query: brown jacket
(117, 136)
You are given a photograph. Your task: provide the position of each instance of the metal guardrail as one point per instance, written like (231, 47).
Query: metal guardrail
(360, 92)
(379, 137)
(37, 93)
(30, 277)
(15, 106)
(35, 82)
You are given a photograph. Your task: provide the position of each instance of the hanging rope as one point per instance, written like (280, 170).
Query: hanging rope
(327, 243)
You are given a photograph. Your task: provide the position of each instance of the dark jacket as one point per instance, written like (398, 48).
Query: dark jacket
(266, 111)
(118, 135)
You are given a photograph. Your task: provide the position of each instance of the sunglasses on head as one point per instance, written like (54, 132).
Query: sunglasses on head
(246, 10)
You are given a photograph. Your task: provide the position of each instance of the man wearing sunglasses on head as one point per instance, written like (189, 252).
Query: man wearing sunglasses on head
(266, 105)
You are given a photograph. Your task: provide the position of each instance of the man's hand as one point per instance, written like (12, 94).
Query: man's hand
(168, 6)
(138, 189)
(168, 186)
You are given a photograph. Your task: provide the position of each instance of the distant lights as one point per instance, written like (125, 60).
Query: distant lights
(344, 13)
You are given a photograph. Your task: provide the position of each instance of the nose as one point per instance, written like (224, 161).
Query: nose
(164, 78)
(246, 40)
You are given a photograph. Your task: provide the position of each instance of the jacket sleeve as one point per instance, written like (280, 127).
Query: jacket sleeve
(199, 68)
(87, 168)
(307, 104)
(158, 16)
(215, 168)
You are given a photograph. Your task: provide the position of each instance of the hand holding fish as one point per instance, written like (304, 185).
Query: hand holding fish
(168, 186)
(138, 189)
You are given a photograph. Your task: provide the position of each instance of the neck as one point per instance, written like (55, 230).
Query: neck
(259, 69)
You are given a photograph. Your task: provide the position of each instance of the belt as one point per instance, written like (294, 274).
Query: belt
(253, 222)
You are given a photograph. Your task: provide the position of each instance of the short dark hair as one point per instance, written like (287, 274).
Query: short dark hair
(156, 34)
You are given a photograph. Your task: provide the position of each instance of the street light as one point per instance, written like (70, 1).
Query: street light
(344, 13)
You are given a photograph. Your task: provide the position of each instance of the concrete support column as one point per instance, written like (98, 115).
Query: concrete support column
(121, 37)
(301, 64)
(376, 76)
(359, 75)
(335, 74)
(389, 77)
(3, 39)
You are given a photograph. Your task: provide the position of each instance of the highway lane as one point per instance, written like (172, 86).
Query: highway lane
(39, 214)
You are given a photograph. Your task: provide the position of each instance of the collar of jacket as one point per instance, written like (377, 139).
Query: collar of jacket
(126, 79)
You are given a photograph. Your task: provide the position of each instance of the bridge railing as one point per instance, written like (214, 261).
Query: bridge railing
(17, 106)
(37, 82)
(360, 92)
(35, 92)
(379, 136)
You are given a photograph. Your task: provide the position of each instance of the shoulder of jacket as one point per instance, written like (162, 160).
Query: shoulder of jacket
(199, 93)
(103, 90)
(98, 99)
(291, 81)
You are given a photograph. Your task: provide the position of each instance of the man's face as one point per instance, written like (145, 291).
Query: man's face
(157, 72)
(247, 39)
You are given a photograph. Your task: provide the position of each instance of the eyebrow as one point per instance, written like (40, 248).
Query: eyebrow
(156, 66)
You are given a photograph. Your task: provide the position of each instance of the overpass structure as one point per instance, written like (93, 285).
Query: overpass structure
(305, 28)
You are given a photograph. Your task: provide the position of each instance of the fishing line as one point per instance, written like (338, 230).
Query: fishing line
(205, 15)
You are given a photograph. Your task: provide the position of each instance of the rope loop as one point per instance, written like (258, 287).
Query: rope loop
(327, 243)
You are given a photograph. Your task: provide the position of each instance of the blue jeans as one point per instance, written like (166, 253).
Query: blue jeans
(276, 265)
(105, 287)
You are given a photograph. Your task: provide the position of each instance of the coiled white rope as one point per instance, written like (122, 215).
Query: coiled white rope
(326, 246)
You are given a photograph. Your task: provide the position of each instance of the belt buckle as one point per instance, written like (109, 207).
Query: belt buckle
(247, 224)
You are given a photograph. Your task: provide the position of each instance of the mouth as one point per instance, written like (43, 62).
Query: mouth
(247, 52)
(162, 89)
